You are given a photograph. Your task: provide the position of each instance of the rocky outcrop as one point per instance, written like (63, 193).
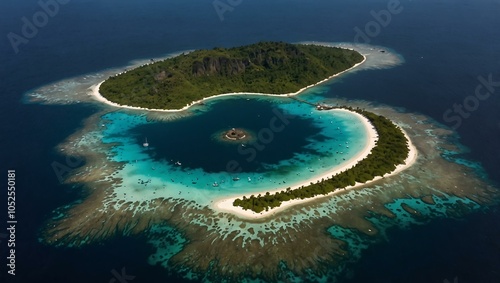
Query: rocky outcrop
(219, 66)
(162, 75)
(266, 58)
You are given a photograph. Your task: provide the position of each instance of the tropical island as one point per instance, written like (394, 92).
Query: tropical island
(271, 68)
(265, 67)
(212, 244)
(235, 134)
(391, 149)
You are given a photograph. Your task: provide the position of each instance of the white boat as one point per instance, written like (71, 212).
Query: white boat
(178, 163)
(145, 144)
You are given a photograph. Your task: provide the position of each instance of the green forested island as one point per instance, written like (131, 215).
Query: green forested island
(390, 150)
(265, 67)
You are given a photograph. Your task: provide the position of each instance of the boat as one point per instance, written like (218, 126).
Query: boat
(178, 163)
(249, 179)
(236, 179)
(145, 144)
(215, 184)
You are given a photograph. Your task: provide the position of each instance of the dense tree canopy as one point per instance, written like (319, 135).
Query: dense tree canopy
(391, 150)
(265, 67)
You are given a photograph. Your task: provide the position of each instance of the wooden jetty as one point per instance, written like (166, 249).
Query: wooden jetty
(319, 106)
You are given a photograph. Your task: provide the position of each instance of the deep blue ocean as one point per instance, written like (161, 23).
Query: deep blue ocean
(447, 45)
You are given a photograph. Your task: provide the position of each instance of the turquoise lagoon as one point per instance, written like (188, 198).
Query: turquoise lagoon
(184, 160)
(311, 143)
(165, 190)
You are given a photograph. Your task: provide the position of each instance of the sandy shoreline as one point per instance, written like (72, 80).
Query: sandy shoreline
(226, 205)
(94, 92)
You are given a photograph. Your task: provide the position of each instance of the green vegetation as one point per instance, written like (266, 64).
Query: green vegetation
(391, 150)
(266, 67)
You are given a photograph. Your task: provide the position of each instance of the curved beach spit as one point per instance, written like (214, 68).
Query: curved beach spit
(226, 204)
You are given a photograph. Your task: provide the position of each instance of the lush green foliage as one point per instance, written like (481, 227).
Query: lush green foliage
(266, 67)
(391, 150)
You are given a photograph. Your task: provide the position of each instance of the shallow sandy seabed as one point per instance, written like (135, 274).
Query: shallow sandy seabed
(228, 246)
(304, 240)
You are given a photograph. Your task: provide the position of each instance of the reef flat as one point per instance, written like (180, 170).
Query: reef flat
(128, 190)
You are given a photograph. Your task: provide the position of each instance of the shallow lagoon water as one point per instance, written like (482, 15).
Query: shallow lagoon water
(157, 188)
(183, 160)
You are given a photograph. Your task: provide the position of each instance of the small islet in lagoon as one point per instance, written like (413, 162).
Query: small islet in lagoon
(171, 190)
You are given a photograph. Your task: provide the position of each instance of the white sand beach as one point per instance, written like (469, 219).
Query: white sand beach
(94, 92)
(226, 205)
